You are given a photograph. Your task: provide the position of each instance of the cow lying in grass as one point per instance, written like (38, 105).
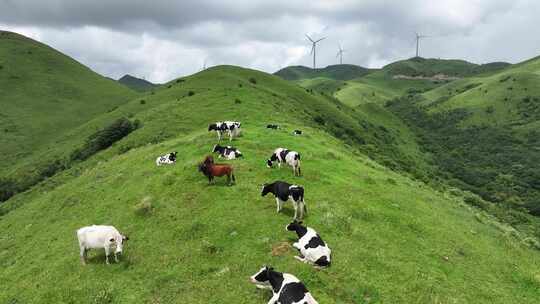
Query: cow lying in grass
(297, 132)
(211, 170)
(313, 249)
(291, 158)
(227, 152)
(95, 237)
(283, 191)
(272, 126)
(167, 159)
(286, 288)
(230, 127)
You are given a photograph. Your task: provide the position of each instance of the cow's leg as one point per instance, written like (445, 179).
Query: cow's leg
(107, 249)
(279, 204)
(273, 299)
(279, 164)
(116, 257)
(83, 255)
(296, 245)
(301, 208)
(301, 259)
(295, 203)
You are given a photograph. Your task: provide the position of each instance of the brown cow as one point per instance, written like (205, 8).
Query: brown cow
(211, 170)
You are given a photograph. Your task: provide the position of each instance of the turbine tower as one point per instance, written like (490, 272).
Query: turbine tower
(313, 47)
(340, 54)
(418, 37)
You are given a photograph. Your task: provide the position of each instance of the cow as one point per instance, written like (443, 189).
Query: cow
(98, 236)
(297, 132)
(221, 127)
(313, 250)
(286, 288)
(272, 126)
(167, 159)
(282, 191)
(211, 170)
(291, 158)
(227, 152)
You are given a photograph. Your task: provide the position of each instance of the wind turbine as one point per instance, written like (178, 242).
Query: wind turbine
(418, 37)
(340, 54)
(313, 47)
(204, 64)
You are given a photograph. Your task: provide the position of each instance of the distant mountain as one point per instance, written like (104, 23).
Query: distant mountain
(336, 72)
(137, 84)
(418, 66)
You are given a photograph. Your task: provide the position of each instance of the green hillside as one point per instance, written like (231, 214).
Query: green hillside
(483, 132)
(394, 240)
(137, 84)
(336, 72)
(44, 95)
(418, 66)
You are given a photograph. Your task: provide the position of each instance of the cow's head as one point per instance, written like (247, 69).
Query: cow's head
(119, 242)
(238, 154)
(261, 277)
(294, 226)
(216, 148)
(212, 127)
(265, 189)
(269, 163)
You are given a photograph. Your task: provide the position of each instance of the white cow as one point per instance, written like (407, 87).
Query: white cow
(97, 236)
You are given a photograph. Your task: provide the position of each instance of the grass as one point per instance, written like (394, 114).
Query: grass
(336, 72)
(395, 240)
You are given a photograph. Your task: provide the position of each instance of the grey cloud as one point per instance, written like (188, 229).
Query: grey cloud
(164, 39)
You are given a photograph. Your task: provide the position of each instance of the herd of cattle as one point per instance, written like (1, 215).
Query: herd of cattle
(286, 288)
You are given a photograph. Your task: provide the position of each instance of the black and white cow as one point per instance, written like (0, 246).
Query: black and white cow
(227, 152)
(313, 249)
(283, 191)
(297, 132)
(221, 127)
(286, 288)
(167, 159)
(282, 155)
(275, 127)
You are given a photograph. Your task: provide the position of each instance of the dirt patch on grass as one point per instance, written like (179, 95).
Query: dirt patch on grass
(280, 248)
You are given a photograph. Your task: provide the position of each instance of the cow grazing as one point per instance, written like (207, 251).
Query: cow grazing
(227, 152)
(167, 159)
(95, 237)
(211, 170)
(230, 127)
(286, 288)
(275, 127)
(313, 249)
(297, 132)
(291, 158)
(283, 191)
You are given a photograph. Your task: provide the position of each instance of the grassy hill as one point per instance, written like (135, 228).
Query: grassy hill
(418, 66)
(44, 94)
(137, 84)
(335, 72)
(483, 130)
(394, 240)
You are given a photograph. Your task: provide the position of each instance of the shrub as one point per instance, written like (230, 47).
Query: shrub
(191, 93)
(180, 80)
(8, 188)
(319, 119)
(142, 101)
(252, 80)
(490, 109)
(237, 101)
(240, 85)
(104, 138)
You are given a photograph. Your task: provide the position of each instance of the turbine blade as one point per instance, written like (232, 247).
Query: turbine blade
(309, 38)
(320, 39)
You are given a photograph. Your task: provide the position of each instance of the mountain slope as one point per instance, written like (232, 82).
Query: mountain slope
(44, 94)
(428, 67)
(336, 72)
(137, 84)
(394, 239)
(483, 131)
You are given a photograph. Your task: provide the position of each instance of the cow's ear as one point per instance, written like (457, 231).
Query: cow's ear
(111, 240)
(125, 238)
(301, 222)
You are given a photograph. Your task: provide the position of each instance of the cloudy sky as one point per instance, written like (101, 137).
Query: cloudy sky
(160, 39)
